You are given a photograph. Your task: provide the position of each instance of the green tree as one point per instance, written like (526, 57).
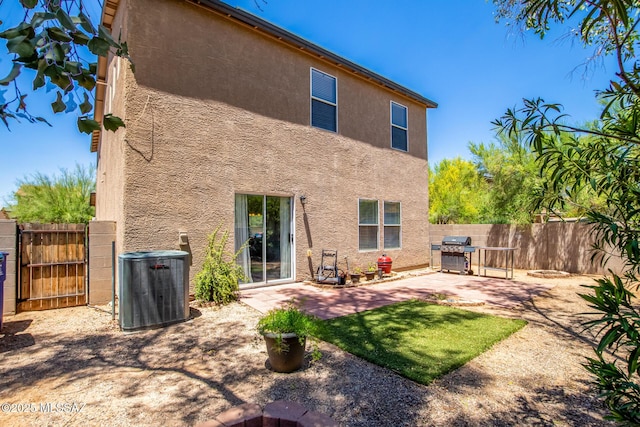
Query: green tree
(57, 43)
(513, 179)
(516, 183)
(57, 199)
(607, 161)
(456, 192)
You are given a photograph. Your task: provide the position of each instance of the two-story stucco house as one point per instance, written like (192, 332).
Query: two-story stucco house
(231, 120)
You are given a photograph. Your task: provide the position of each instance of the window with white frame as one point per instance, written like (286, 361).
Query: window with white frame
(368, 225)
(399, 126)
(324, 101)
(392, 226)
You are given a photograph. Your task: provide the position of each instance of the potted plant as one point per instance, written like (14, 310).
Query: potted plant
(342, 278)
(355, 276)
(371, 271)
(285, 331)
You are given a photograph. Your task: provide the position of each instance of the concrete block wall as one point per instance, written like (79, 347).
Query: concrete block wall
(101, 234)
(9, 243)
(561, 246)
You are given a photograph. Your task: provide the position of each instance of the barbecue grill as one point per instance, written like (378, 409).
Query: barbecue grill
(455, 254)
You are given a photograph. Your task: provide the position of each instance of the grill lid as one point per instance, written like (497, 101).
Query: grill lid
(456, 240)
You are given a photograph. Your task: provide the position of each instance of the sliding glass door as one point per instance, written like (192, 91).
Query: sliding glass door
(263, 226)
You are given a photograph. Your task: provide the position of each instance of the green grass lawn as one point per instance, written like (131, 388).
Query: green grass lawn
(418, 340)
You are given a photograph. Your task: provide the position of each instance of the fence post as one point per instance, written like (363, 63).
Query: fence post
(113, 280)
(9, 243)
(101, 235)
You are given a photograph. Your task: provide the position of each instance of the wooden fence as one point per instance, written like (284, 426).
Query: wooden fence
(52, 266)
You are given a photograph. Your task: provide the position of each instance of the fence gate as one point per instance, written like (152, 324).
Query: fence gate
(52, 266)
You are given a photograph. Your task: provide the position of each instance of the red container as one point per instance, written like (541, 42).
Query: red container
(384, 264)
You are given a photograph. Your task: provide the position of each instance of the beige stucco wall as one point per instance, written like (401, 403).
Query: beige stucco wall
(215, 109)
(110, 195)
(186, 50)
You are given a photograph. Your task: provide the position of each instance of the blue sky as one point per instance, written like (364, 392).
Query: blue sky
(450, 51)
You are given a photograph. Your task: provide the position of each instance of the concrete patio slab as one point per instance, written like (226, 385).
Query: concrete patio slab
(330, 303)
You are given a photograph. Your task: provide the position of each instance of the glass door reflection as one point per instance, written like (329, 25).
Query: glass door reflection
(264, 223)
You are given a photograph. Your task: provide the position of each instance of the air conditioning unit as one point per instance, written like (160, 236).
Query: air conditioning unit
(154, 289)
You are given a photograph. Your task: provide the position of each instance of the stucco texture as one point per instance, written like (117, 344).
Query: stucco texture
(215, 109)
(110, 195)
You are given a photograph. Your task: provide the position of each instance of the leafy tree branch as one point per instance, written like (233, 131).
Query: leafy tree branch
(605, 158)
(58, 43)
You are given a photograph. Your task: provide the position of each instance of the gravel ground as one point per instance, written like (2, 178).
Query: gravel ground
(190, 372)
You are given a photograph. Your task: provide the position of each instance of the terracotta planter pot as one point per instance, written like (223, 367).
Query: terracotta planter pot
(355, 278)
(370, 275)
(286, 356)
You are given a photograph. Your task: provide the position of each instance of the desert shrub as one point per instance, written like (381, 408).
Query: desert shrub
(219, 279)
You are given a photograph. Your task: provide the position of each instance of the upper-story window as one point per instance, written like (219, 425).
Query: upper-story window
(324, 101)
(399, 126)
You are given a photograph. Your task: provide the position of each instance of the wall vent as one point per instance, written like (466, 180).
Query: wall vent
(154, 289)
